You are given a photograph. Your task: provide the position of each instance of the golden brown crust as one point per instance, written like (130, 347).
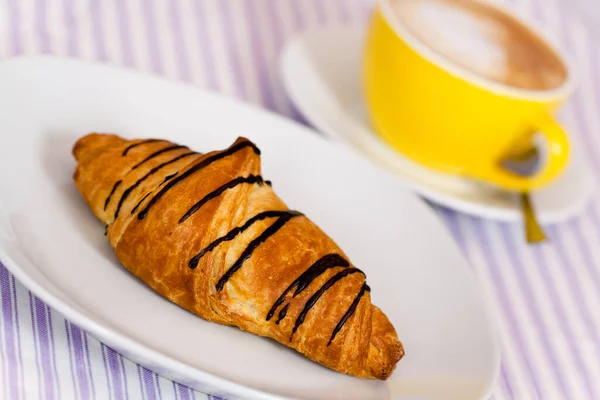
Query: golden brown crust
(162, 182)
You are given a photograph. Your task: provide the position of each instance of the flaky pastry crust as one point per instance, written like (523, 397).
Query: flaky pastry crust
(209, 234)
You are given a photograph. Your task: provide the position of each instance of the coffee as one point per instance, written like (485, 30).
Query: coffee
(484, 40)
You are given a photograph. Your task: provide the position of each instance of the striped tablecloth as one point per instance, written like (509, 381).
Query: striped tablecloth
(547, 298)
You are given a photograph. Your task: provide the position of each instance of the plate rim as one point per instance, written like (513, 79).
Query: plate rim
(441, 198)
(122, 340)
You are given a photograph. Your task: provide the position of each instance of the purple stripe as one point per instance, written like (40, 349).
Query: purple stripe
(98, 35)
(71, 357)
(3, 359)
(451, 218)
(53, 348)
(261, 63)
(125, 387)
(557, 304)
(225, 16)
(149, 383)
(192, 393)
(584, 248)
(139, 372)
(149, 23)
(79, 361)
(277, 36)
(179, 41)
(532, 305)
(42, 26)
(205, 44)
(122, 15)
(500, 286)
(18, 328)
(343, 10)
(578, 108)
(156, 378)
(574, 287)
(35, 342)
(113, 364)
(366, 7)
(71, 28)
(321, 16)
(298, 20)
(184, 393)
(298, 17)
(43, 336)
(91, 371)
(175, 390)
(14, 16)
(9, 334)
(108, 386)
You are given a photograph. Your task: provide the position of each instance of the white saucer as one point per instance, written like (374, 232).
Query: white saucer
(52, 243)
(321, 72)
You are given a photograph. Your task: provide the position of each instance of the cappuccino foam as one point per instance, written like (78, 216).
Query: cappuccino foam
(484, 40)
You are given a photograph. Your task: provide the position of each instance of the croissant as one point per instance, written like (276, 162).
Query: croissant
(207, 232)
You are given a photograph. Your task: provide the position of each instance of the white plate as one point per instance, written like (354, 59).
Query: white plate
(53, 244)
(321, 70)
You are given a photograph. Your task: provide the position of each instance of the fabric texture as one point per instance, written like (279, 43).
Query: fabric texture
(546, 298)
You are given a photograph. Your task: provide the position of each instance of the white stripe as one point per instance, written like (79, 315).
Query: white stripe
(139, 42)
(99, 376)
(214, 20)
(266, 36)
(110, 31)
(56, 31)
(27, 340)
(27, 24)
(5, 37)
(133, 383)
(164, 38)
(242, 47)
(188, 18)
(3, 354)
(81, 14)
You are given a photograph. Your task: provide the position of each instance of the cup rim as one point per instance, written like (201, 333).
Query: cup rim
(480, 81)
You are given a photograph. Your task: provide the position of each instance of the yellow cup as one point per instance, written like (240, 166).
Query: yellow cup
(452, 120)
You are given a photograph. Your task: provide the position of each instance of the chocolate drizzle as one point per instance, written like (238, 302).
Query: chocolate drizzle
(139, 144)
(252, 179)
(168, 178)
(116, 185)
(154, 170)
(140, 203)
(350, 311)
(282, 313)
(270, 231)
(207, 161)
(301, 283)
(317, 295)
(314, 271)
(158, 153)
(232, 234)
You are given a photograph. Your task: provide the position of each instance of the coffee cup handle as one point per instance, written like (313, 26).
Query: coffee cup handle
(557, 158)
